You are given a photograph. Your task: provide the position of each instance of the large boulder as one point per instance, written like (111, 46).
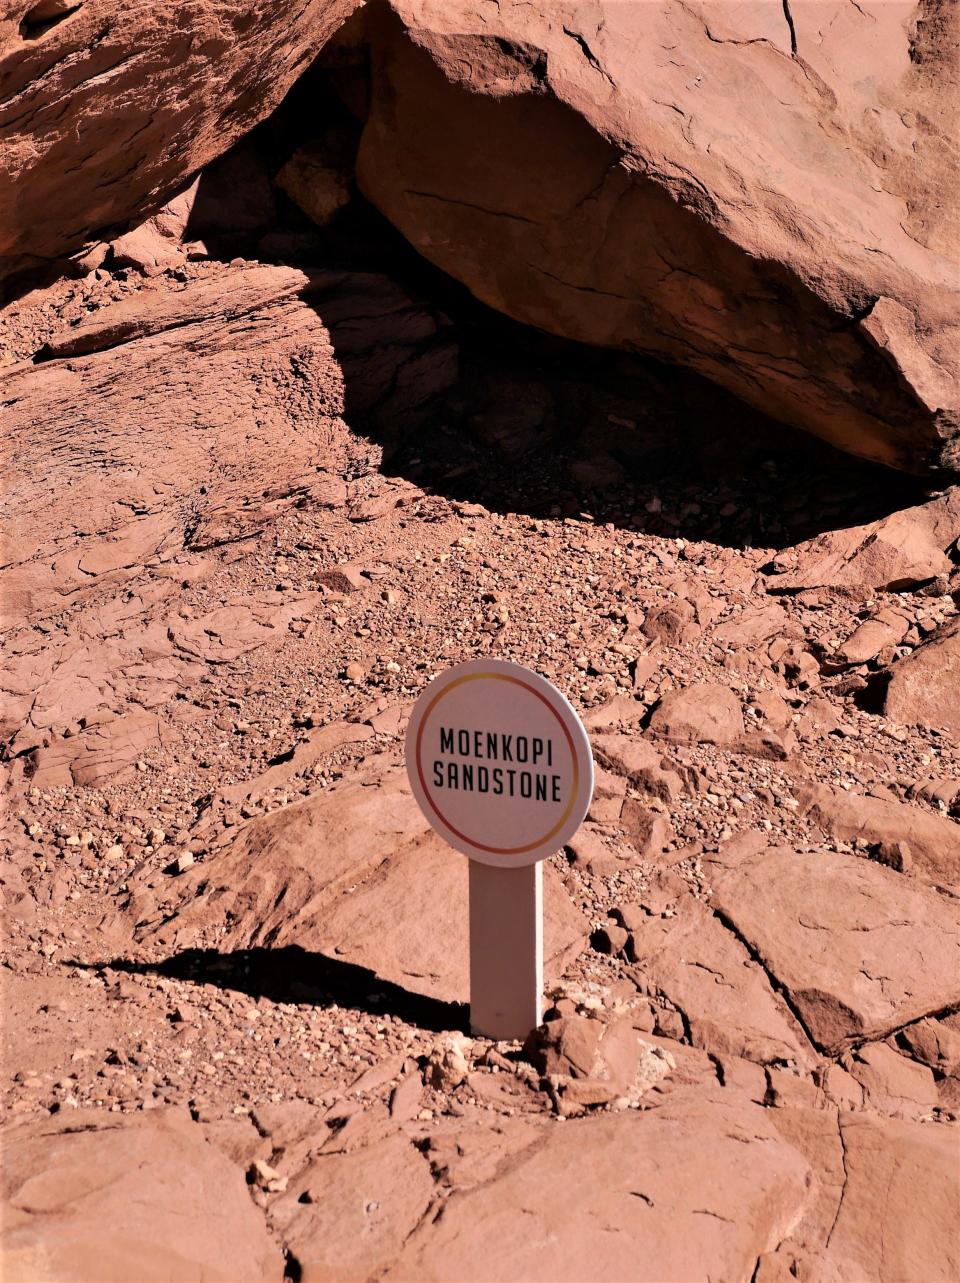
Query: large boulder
(758, 191)
(111, 1197)
(107, 108)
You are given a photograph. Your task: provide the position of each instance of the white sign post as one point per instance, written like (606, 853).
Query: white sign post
(501, 767)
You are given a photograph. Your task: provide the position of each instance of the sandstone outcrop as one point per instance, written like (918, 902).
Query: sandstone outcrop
(594, 1199)
(858, 949)
(251, 510)
(151, 94)
(356, 875)
(93, 1196)
(758, 192)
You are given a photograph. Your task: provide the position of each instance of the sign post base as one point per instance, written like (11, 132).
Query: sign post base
(506, 950)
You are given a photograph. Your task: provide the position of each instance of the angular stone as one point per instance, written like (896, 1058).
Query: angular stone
(639, 761)
(934, 1044)
(648, 830)
(893, 1083)
(592, 1062)
(589, 850)
(673, 623)
(754, 627)
(867, 641)
(699, 715)
(901, 551)
(609, 791)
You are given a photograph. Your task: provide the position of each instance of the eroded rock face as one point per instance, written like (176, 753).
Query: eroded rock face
(729, 1006)
(94, 1195)
(887, 1163)
(218, 367)
(351, 874)
(150, 95)
(754, 194)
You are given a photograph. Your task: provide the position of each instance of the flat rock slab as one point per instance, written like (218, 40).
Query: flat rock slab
(97, 1196)
(347, 1215)
(694, 1190)
(154, 94)
(899, 1212)
(859, 950)
(900, 551)
(727, 999)
(355, 874)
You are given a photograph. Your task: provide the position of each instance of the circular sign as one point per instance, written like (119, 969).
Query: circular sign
(499, 762)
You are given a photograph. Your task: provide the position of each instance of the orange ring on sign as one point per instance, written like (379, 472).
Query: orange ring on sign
(481, 846)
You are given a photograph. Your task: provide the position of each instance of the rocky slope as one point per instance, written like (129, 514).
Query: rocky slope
(236, 978)
(266, 474)
(762, 192)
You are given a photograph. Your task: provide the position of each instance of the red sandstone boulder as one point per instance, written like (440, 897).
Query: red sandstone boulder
(909, 838)
(756, 192)
(107, 109)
